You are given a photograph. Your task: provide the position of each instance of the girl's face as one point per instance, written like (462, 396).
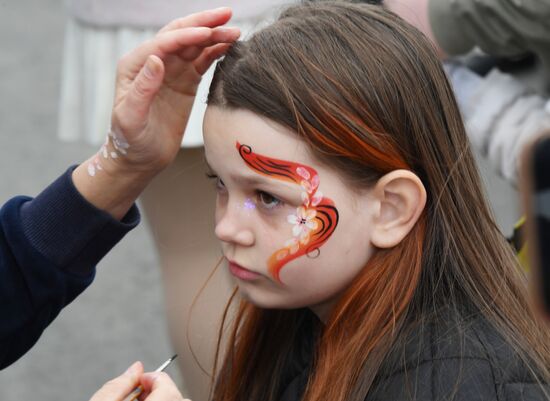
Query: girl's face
(292, 231)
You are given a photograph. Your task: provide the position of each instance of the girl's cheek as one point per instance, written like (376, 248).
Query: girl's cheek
(276, 221)
(298, 273)
(272, 235)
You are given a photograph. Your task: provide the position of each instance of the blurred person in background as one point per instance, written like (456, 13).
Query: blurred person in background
(497, 56)
(502, 82)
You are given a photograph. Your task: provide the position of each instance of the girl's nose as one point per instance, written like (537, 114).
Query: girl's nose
(234, 226)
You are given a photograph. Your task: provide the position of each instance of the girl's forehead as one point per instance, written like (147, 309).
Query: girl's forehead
(223, 129)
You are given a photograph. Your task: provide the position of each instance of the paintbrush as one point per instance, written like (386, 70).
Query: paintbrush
(139, 389)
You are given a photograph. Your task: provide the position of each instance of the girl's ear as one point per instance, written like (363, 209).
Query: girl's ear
(401, 198)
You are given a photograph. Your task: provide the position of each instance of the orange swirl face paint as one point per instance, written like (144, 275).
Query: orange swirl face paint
(314, 221)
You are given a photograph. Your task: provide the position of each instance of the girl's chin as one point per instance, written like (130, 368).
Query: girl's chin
(272, 301)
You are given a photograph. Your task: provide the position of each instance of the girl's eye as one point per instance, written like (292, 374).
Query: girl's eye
(268, 201)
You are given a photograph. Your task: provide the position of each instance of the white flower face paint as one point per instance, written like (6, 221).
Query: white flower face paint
(120, 146)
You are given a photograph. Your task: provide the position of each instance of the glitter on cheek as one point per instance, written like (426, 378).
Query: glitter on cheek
(246, 207)
(249, 204)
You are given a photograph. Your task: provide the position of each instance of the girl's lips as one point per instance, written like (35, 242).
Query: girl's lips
(242, 273)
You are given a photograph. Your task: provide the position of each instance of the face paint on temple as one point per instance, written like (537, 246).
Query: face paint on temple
(314, 221)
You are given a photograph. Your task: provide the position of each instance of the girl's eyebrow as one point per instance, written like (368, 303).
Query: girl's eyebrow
(253, 179)
(257, 179)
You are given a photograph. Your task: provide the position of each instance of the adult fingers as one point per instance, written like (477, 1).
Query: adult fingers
(209, 55)
(173, 41)
(118, 388)
(219, 35)
(143, 90)
(170, 42)
(225, 34)
(207, 18)
(159, 387)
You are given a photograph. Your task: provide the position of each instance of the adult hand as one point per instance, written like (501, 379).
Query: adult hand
(156, 386)
(155, 88)
(117, 389)
(157, 82)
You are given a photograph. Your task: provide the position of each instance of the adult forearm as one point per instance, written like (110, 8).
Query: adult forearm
(114, 190)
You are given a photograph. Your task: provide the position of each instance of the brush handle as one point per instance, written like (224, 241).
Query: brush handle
(135, 393)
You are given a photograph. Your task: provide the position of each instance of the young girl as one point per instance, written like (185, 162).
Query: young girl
(352, 217)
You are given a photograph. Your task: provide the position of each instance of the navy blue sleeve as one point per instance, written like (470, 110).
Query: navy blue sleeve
(49, 247)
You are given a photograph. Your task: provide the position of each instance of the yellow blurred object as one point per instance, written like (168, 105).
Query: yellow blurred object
(519, 243)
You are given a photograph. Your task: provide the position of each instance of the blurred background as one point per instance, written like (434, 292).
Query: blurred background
(120, 318)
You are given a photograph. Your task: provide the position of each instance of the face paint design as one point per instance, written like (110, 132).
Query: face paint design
(120, 146)
(314, 221)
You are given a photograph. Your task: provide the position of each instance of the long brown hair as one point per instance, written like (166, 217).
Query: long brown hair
(367, 93)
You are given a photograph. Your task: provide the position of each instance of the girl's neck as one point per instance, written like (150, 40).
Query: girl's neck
(323, 310)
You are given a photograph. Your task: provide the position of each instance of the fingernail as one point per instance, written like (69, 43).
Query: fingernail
(132, 370)
(226, 29)
(149, 68)
(222, 8)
